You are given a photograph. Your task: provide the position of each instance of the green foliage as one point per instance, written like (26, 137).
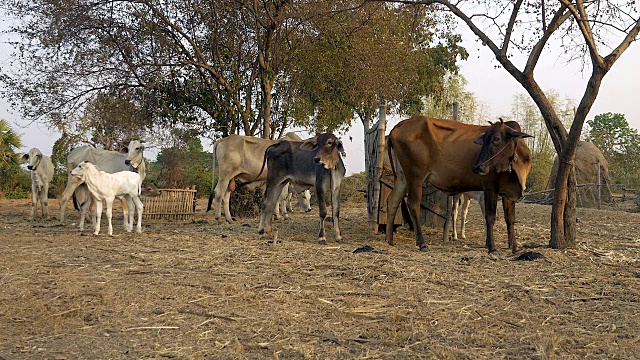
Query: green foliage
(452, 90)
(354, 60)
(16, 182)
(620, 145)
(182, 164)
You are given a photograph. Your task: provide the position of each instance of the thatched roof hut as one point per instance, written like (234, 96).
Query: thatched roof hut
(587, 157)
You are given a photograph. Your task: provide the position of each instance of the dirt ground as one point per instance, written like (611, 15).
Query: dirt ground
(199, 290)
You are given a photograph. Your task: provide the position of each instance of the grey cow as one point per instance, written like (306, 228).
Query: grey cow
(41, 169)
(129, 158)
(238, 157)
(304, 164)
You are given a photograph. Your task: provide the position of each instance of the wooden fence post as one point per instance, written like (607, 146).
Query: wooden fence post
(449, 207)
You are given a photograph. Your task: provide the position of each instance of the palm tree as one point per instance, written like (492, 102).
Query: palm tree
(9, 143)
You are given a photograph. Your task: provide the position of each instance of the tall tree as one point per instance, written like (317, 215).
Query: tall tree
(224, 66)
(199, 59)
(596, 32)
(371, 53)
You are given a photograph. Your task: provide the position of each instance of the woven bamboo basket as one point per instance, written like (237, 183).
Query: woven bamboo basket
(174, 204)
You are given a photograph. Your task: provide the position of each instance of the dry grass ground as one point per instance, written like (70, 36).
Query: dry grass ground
(200, 290)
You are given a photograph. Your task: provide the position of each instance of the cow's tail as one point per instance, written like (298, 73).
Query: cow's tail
(264, 160)
(75, 202)
(213, 176)
(389, 150)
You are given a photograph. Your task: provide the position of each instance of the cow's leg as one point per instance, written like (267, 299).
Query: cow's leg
(335, 203)
(98, 217)
(509, 208)
(225, 203)
(271, 195)
(465, 210)
(393, 202)
(82, 192)
(139, 208)
(281, 209)
(222, 193)
(127, 214)
(490, 208)
(287, 202)
(109, 202)
(34, 199)
(321, 192)
(413, 203)
(454, 215)
(44, 200)
(72, 183)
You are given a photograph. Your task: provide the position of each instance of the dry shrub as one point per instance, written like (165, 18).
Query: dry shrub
(245, 202)
(354, 189)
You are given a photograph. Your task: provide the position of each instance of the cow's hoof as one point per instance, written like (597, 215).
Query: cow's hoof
(339, 239)
(95, 233)
(423, 248)
(322, 241)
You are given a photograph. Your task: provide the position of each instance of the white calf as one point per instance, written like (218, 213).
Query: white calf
(466, 200)
(41, 174)
(148, 190)
(106, 187)
(284, 201)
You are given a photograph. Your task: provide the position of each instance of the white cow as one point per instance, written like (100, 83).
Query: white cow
(106, 187)
(466, 200)
(128, 159)
(41, 174)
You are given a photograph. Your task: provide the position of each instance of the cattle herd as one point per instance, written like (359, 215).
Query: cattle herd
(473, 161)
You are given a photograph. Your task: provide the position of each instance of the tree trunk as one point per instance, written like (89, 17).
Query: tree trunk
(563, 216)
(267, 85)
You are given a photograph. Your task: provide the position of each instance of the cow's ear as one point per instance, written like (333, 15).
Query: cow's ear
(310, 145)
(517, 134)
(25, 157)
(479, 140)
(124, 150)
(341, 148)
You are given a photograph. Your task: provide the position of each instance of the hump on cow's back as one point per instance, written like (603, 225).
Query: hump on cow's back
(279, 149)
(291, 136)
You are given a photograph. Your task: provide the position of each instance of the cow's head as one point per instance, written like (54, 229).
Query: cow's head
(134, 153)
(149, 190)
(304, 200)
(32, 159)
(83, 169)
(327, 148)
(499, 145)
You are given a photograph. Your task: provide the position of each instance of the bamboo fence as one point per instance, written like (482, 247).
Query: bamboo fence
(174, 204)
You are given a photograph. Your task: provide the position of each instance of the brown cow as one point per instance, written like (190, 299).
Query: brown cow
(455, 158)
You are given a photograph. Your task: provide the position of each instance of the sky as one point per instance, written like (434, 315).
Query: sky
(490, 83)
